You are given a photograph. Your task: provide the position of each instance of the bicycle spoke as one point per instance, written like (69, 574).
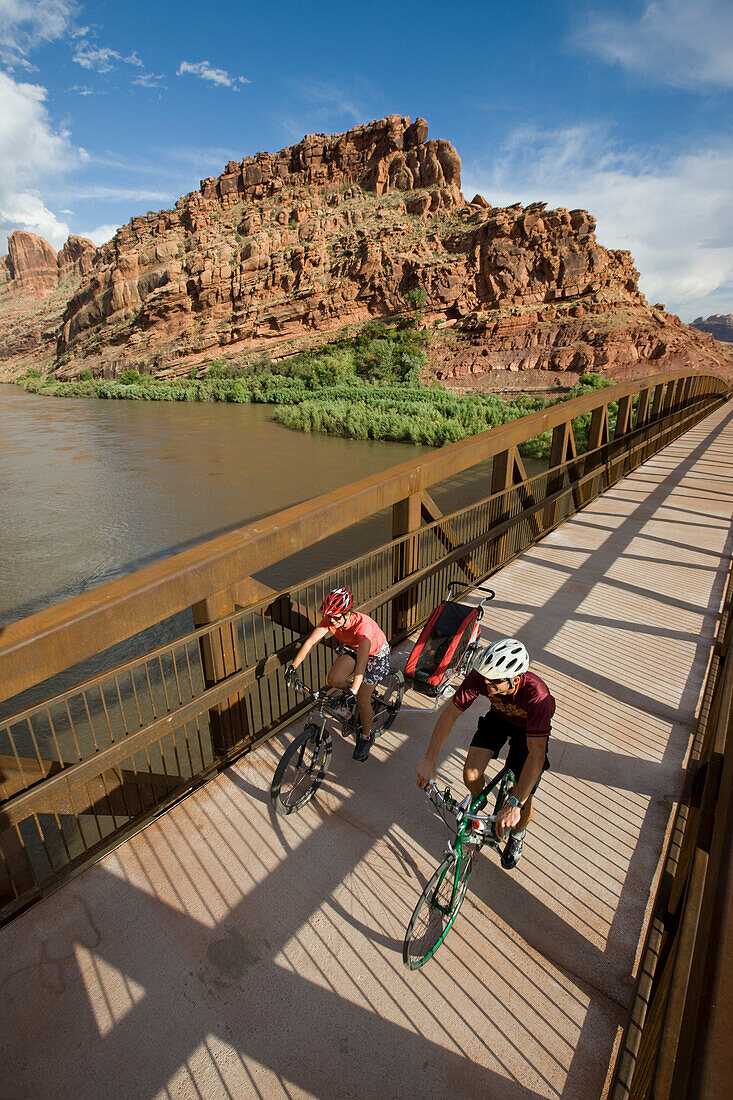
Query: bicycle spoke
(436, 910)
(301, 770)
(387, 700)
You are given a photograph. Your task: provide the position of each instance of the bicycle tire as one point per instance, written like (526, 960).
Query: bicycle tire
(301, 770)
(435, 912)
(387, 700)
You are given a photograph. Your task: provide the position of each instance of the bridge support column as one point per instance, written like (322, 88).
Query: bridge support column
(562, 451)
(507, 472)
(406, 519)
(221, 658)
(598, 436)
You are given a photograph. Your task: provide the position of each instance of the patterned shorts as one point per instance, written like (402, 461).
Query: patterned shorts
(377, 668)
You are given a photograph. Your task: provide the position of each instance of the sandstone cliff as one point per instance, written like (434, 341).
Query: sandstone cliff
(34, 269)
(36, 283)
(285, 251)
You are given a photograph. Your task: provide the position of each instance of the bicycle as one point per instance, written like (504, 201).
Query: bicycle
(303, 765)
(441, 899)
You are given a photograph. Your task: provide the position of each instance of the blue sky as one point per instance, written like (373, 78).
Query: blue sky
(108, 110)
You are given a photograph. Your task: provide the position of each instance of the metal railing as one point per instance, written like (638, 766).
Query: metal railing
(684, 979)
(89, 765)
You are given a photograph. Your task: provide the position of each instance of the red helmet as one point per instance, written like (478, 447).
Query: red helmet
(337, 602)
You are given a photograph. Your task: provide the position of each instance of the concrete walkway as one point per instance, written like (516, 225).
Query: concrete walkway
(224, 952)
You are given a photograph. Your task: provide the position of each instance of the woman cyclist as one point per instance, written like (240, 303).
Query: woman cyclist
(362, 657)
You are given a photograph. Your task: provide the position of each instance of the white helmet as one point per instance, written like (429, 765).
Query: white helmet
(502, 659)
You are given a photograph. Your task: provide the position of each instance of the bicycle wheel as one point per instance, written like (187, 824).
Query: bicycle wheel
(387, 700)
(301, 770)
(436, 910)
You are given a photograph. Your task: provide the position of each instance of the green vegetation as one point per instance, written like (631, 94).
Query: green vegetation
(368, 387)
(417, 298)
(427, 415)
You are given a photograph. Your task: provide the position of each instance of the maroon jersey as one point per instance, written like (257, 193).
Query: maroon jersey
(530, 707)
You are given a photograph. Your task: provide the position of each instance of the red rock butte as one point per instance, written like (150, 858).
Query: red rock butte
(287, 251)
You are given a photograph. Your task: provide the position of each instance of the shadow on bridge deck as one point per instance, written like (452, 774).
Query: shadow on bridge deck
(224, 952)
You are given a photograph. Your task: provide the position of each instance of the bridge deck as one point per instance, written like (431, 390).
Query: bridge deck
(222, 953)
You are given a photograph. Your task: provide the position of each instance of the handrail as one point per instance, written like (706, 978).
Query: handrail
(666, 1050)
(52, 640)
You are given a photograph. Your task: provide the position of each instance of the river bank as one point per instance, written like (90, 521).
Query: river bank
(373, 386)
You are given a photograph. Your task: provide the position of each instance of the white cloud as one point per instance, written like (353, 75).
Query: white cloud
(83, 89)
(671, 211)
(106, 193)
(102, 59)
(330, 101)
(678, 42)
(30, 151)
(26, 24)
(26, 210)
(206, 71)
(100, 234)
(149, 80)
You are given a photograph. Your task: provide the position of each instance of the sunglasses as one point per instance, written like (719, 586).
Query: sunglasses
(498, 683)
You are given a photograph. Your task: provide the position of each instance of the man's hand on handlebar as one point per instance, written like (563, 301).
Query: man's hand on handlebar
(425, 772)
(507, 818)
(291, 675)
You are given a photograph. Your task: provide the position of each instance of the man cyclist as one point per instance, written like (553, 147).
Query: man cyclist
(362, 657)
(520, 713)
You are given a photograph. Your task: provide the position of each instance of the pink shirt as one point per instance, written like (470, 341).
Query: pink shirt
(360, 627)
(530, 706)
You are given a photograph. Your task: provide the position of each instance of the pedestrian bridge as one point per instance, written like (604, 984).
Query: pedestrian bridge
(220, 951)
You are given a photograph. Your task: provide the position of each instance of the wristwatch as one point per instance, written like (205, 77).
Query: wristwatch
(512, 801)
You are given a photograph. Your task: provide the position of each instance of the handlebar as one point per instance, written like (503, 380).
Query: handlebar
(459, 809)
(294, 681)
(490, 593)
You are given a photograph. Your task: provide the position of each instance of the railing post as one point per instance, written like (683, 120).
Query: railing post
(406, 519)
(562, 451)
(598, 435)
(657, 401)
(669, 396)
(622, 428)
(220, 658)
(642, 408)
(679, 389)
(687, 390)
(623, 417)
(507, 471)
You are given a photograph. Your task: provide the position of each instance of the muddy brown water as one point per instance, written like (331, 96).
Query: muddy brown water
(91, 490)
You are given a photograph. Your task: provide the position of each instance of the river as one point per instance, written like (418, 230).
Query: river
(91, 489)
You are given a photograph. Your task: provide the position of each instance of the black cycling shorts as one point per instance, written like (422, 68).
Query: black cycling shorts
(492, 733)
